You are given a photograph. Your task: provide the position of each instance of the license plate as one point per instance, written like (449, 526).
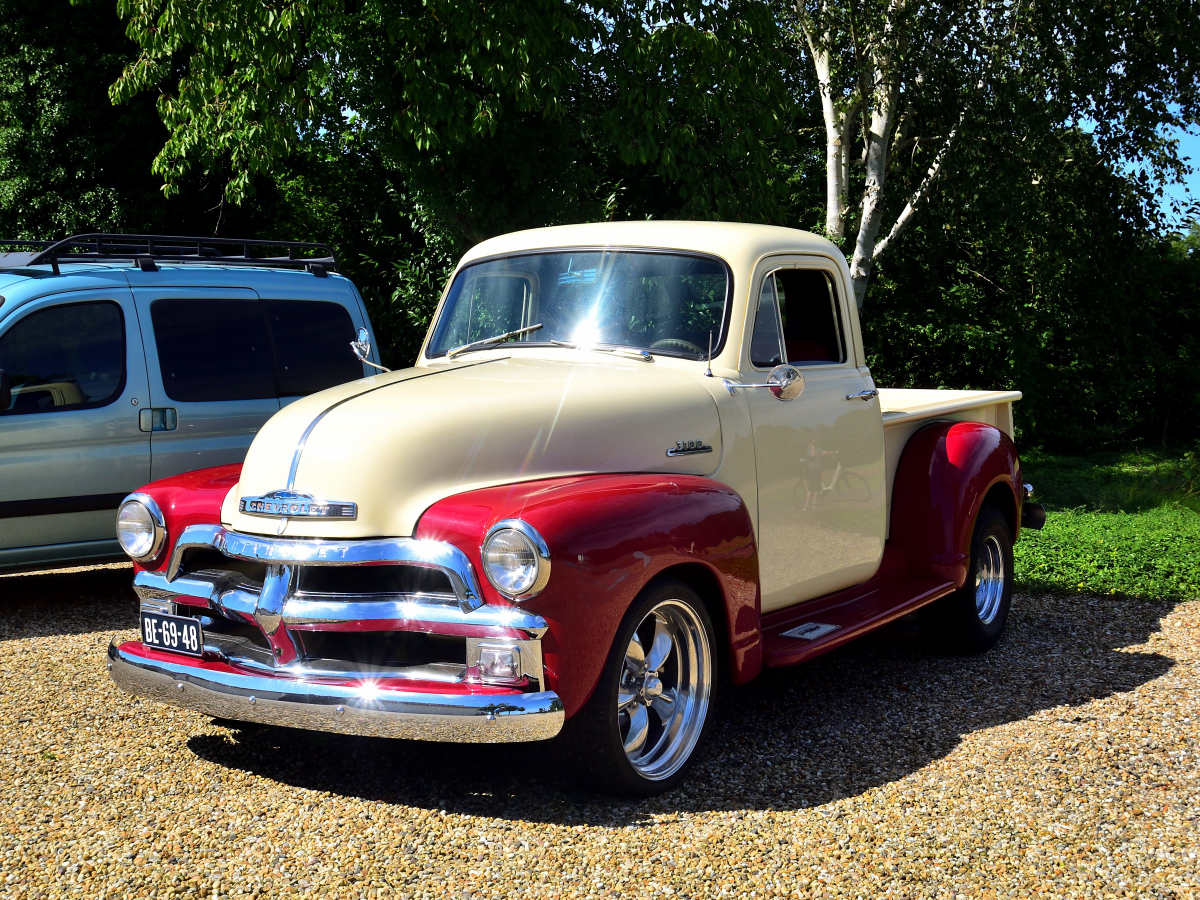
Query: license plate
(178, 634)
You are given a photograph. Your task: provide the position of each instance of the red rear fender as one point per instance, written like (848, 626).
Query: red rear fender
(608, 537)
(945, 474)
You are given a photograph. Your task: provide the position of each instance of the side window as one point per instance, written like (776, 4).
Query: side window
(766, 348)
(65, 357)
(812, 333)
(213, 349)
(312, 345)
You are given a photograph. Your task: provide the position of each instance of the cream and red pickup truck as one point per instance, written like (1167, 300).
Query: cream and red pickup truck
(633, 461)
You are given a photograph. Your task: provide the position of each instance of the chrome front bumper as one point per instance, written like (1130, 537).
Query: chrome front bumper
(267, 656)
(346, 709)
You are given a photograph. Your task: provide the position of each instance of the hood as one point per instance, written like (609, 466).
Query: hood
(397, 443)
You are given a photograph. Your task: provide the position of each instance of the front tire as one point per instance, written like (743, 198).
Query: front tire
(972, 618)
(637, 734)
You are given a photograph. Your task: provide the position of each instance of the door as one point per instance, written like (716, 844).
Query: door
(821, 506)
(70, 445)
(212, 375)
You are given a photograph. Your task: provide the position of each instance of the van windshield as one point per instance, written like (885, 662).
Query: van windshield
(666, 303)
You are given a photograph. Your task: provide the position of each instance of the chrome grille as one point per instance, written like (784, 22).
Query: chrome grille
(399, 609)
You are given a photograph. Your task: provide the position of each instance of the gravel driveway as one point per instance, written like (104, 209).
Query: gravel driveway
(1064, 763)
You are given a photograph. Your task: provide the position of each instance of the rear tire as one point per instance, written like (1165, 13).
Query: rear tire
(972, 619)
(638, 733)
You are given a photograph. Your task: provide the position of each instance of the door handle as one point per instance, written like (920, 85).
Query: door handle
(162, 418)
(864, 396)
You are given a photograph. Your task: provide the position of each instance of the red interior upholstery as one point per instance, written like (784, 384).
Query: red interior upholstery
(808, 351)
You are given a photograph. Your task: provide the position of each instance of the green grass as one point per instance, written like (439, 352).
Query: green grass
(1124, 523)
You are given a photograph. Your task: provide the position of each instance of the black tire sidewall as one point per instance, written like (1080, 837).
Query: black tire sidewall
(954, 621)
(980, 636)
(610, 768)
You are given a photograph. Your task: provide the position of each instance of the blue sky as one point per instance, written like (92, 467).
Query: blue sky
(1189, 146)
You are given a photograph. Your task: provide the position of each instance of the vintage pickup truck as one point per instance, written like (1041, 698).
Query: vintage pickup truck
(634, 461)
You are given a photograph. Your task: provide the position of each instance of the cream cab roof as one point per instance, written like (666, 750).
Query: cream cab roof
(738, 244)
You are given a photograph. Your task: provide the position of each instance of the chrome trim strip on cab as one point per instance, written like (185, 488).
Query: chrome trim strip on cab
(362, 708)
(311, 552)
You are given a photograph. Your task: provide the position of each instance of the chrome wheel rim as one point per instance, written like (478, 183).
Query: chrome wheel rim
(989, 580)
(665, 687)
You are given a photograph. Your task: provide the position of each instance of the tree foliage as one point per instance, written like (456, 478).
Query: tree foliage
(64, 150)
(909, 88)
(1056, 288)
(505, 113)
(1013, 183)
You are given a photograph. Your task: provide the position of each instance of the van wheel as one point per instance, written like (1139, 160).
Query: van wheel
(972, 618)
(638, 732)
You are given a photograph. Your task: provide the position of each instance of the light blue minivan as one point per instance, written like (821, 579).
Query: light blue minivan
(129, 358)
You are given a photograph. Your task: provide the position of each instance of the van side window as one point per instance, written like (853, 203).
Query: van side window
(312, 345)
(65, 357)
(812, 332)
(213, 350)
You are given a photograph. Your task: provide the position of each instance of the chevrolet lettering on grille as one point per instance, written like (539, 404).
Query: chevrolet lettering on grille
(278, 504)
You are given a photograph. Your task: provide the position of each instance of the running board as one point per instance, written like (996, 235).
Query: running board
(808, 629)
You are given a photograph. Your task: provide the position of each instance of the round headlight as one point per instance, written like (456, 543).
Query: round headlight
(515, 559)
(141, 529)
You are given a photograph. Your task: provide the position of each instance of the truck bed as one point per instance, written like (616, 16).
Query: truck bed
(905, 410)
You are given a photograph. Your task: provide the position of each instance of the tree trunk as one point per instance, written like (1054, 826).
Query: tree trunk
(872, 206)
(879, 140)
(836, 151)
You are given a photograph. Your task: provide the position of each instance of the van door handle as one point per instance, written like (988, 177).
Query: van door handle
(162, 418)
(864, 396)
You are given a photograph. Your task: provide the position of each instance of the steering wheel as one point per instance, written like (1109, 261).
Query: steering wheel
(677, 344)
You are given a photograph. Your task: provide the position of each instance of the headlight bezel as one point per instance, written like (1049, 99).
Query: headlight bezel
(157, 519)
(541, 555)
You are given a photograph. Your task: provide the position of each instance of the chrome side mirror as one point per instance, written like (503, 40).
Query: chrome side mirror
(5, 391)
(362, 346)
(362, 349)
(785, 382)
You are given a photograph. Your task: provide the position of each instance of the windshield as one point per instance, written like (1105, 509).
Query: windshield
(666, 303)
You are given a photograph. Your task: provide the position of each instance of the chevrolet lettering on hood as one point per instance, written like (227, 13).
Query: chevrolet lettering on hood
(290, 503)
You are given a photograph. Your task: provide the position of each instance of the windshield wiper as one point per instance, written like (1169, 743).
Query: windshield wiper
(487, 342)
(617, 350)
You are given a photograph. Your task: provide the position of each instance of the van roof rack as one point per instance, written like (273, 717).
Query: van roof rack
(145, 249)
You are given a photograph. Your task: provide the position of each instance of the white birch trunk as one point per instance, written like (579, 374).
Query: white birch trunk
(836, 155)
(879, 143)
(872, 205)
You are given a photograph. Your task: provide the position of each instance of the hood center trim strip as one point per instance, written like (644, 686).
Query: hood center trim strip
(291, 482)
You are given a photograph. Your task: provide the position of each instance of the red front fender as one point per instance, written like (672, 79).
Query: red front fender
(609, 535)
(193, 498)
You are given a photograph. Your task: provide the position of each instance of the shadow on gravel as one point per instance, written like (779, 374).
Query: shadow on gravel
(869, 714)
(43, 604)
